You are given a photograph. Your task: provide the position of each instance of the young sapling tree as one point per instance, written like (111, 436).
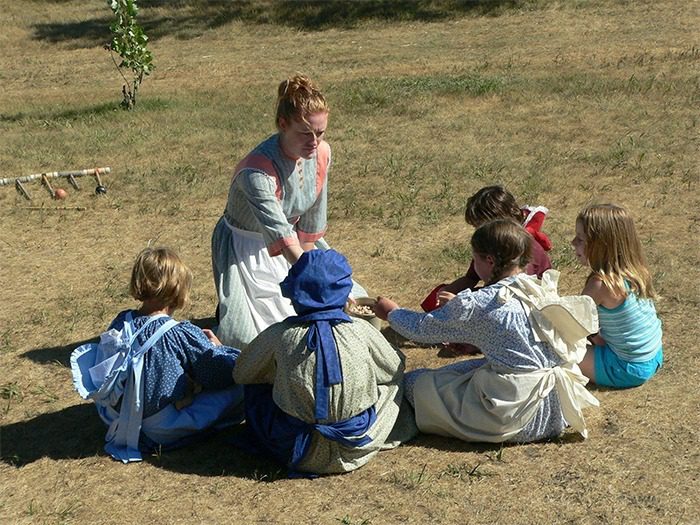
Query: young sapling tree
(129, 42)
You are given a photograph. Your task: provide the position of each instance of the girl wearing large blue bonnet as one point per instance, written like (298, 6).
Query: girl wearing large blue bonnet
(323, 391)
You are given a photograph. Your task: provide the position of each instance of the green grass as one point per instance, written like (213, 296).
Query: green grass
(398, 94)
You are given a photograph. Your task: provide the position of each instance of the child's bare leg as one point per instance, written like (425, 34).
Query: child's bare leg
(587, 366)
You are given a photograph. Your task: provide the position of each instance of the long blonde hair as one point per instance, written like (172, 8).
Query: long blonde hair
(160, 274)
(298, 97)
(614, 251)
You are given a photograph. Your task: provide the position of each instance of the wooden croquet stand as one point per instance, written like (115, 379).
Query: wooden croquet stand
(70, 175)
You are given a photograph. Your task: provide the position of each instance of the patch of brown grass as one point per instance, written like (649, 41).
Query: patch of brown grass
(565, 103)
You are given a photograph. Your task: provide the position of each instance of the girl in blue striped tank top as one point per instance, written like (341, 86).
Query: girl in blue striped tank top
(627, 351)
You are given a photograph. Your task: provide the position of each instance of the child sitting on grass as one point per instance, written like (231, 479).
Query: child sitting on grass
(323, 391)
(628, 350)
(528, 386)
(157, 382)
(487, 204)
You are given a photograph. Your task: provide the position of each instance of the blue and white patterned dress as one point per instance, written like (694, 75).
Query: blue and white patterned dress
(501, 331)
(183, 351)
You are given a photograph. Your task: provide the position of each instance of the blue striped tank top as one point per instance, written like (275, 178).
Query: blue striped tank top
(632, 330)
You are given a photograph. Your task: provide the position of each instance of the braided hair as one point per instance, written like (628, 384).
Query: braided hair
(507, 242)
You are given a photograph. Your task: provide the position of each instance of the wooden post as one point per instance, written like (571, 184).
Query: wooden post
(45, 182)
(22, 190)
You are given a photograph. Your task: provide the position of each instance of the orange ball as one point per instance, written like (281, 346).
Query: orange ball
(60, 194)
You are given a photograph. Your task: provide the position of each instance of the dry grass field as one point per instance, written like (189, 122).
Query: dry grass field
(565, 103)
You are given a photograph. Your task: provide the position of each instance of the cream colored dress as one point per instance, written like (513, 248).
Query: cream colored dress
(529, 385)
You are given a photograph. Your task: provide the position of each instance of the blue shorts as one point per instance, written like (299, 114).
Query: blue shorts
(612, 371)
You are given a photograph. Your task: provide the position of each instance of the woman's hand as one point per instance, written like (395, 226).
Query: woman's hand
(292, 253)
(308, 246)
(212, 337)
(383, 307)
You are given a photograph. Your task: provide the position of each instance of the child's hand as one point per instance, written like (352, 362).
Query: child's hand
(444, 297)
(212, 337)
(383, 307)
(191, 390)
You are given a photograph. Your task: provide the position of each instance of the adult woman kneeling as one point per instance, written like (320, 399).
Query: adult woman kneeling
(276, 211)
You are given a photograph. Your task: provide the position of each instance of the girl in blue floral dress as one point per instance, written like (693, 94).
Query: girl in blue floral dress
(528, 385)
(163, 382)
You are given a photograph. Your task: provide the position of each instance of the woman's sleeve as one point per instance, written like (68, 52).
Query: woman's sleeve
(448, 324)
(263, 194)
(207, 364)
(256, 364)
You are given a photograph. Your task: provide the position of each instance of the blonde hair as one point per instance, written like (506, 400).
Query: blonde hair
(298, 97)
(614, 251)
(507, 242)
(160, 274)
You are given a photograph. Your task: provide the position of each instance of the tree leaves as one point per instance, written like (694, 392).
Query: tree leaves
(130, 42)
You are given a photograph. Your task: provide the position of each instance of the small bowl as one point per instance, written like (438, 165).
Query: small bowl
(370, 318)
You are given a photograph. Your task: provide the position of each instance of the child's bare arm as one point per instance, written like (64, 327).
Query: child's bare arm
(601, 294)
(444, 297)
(593, 288)
(596, 339)
(459, 284)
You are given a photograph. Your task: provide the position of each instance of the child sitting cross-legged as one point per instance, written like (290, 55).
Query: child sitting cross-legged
(157, 383)
(628, 350)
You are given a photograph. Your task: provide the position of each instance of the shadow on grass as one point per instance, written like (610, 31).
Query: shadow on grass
(445, 352)
(56, 354)
(87, 113)
(77, 432)
(456, 445)
(87, 33)
(72, 433)
(218, 456)
(400, 341)
(190, 18)
(71, 114)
